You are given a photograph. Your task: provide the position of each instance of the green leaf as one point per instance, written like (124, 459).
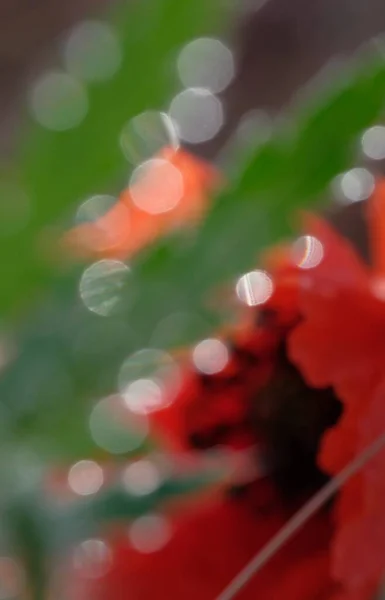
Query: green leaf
(58, 170)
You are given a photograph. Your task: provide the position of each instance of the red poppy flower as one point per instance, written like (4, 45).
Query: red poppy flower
(209, 546)
(333, 316)
(213, 409)
(337, 343)
(340, 342)
(139, 216)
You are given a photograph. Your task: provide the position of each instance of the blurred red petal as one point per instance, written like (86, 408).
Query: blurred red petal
(210, 547)
(126, 229)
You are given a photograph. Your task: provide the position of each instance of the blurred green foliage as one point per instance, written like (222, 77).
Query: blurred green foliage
(58, 170)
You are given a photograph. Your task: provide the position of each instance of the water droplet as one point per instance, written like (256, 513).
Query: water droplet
(115, 428)
(373, 142)
(141, 478)
(147, 364)
(92, 211)
(254, 288)
(101, 286)
(308, 252)
(378, 288)
(93, 558)
(58, 101)
(148, 380)
(92, 51)
(144, 396)
(85, 477)
(150, 533)
(156, 186)
(198, 115)
(94, 208)
(354, 185)
(210, 356)
(206, 63)
(146, 134)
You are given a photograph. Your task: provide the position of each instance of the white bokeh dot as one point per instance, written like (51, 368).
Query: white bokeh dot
(206, 63)
(146, 134)
(378, 288)
(85, 477)
(210, 356)
(198, 115)
(144, 396)
(156, 186)
(150, 533)
(92, 51)
(354, 185)
(148, 380)
(373, 142)
(141, 478)
(92, 558)
(308, 252)
(58, 101)
(115, 428)
(101, 285)
(94, 208)
(254, 288)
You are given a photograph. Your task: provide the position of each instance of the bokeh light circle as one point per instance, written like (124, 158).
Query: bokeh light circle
(144, 136)
(115, 428)
(148, 380)
(198, 115)
(156, 186)
(308, 252)
(92, 51)
(58, 101)
(141, 478)
(101, 285)
(354, 185)
(373, 142)
(254, 288)
(150, 533)
(85, 477)
(206, 63)
(92, 558)
(210, 356)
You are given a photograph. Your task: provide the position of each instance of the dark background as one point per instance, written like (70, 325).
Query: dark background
(280, 46)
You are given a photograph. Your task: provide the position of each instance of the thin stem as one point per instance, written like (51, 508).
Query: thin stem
(299, 519)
